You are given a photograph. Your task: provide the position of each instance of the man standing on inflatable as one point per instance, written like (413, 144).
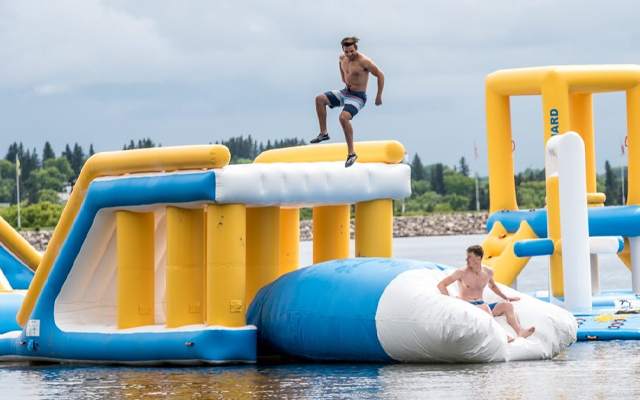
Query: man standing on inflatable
(354, 70)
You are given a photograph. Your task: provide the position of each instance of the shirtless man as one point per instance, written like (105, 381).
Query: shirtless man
(354, 70)
(472, 280)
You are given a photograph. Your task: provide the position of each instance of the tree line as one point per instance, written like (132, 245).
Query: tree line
(439, 188)
(435, 187)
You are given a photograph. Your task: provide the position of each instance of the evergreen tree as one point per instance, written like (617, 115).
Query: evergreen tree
(437, 179)
(30, 162)
(78, 159)
(91, 152)
(418, 172)
(142, 144)
(68, 154)
(610, 184)
(15, 149)
(47, 152)
(146, 143)
(464, 167)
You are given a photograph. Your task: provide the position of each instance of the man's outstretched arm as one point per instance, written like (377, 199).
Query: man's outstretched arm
(442, 286)
(496, 289)
(377, 72)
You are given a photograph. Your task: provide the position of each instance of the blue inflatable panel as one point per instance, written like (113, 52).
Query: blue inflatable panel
(18, 274)
(511, 220)
(611, 326)
(10, 303)
(614, 221)
(603, 221)
(209, 346)
(605, 321)
(327, 312)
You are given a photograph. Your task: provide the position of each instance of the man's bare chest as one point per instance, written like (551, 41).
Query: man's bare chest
(475, 281)
(354, 69)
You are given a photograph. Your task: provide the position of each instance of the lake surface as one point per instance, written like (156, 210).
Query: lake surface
(587, 370)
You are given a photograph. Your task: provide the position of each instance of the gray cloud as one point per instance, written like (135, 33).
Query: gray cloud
(199, 71)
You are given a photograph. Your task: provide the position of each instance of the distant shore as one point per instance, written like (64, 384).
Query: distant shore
(421, 225)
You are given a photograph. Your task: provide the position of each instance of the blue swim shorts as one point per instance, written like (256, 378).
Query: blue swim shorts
(351, 101)
(479, 303)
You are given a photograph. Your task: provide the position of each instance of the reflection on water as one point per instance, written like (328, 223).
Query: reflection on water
(588, 370)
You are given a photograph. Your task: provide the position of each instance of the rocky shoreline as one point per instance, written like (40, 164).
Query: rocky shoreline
(423, 225)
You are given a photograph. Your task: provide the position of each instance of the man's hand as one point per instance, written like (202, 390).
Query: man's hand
(378, 100)
(513, 298)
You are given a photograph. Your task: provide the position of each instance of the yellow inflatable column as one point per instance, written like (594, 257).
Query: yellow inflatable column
(226, 264)
(136, 267)
(263, 248)
(553, 220)
(581, 120)
(185, 267)
(633, 138)
(374, 228)
(557, 121)
(502, 189)
(289, 240)
(206, 241)
(331, 232)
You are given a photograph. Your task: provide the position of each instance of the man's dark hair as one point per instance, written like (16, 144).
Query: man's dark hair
(350, 41)
(476, 249)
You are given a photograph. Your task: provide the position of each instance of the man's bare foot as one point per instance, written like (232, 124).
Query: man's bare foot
(510, 339)
(525, 333)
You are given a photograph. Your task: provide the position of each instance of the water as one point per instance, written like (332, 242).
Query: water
(587, 370)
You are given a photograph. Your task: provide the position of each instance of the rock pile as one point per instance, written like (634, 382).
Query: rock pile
(38, 239)
(422, 225)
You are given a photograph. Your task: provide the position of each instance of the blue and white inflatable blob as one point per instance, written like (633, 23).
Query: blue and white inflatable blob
(390, 310)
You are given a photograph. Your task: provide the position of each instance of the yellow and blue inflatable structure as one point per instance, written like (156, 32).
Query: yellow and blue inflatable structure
(159, 252)
(516, 235)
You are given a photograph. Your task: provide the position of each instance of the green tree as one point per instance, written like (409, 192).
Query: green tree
(146, 143)
(456, 183)
(7, 181)
(418, 172)
(611, 186)
(464, 167)
(15, 149)
(68, 154)
(47, 152)
(63, 166)
(48, 178)
(78, 159)
(531, 194)
(419, 188)
(457, 202)
(48, 195)
(30, 162)
(437, 179)
(7, 170)
(34, 216)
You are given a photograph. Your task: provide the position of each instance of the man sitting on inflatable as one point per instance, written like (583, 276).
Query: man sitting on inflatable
(472, 279)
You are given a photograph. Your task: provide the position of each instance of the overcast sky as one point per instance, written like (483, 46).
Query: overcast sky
(193, 72)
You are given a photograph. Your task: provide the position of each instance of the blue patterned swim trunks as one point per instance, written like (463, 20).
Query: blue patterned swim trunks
(351, 101)
(479, 303)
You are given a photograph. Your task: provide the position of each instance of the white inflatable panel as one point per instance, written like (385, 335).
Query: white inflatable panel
(311, 184)
(565, 158)
(416, 323)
